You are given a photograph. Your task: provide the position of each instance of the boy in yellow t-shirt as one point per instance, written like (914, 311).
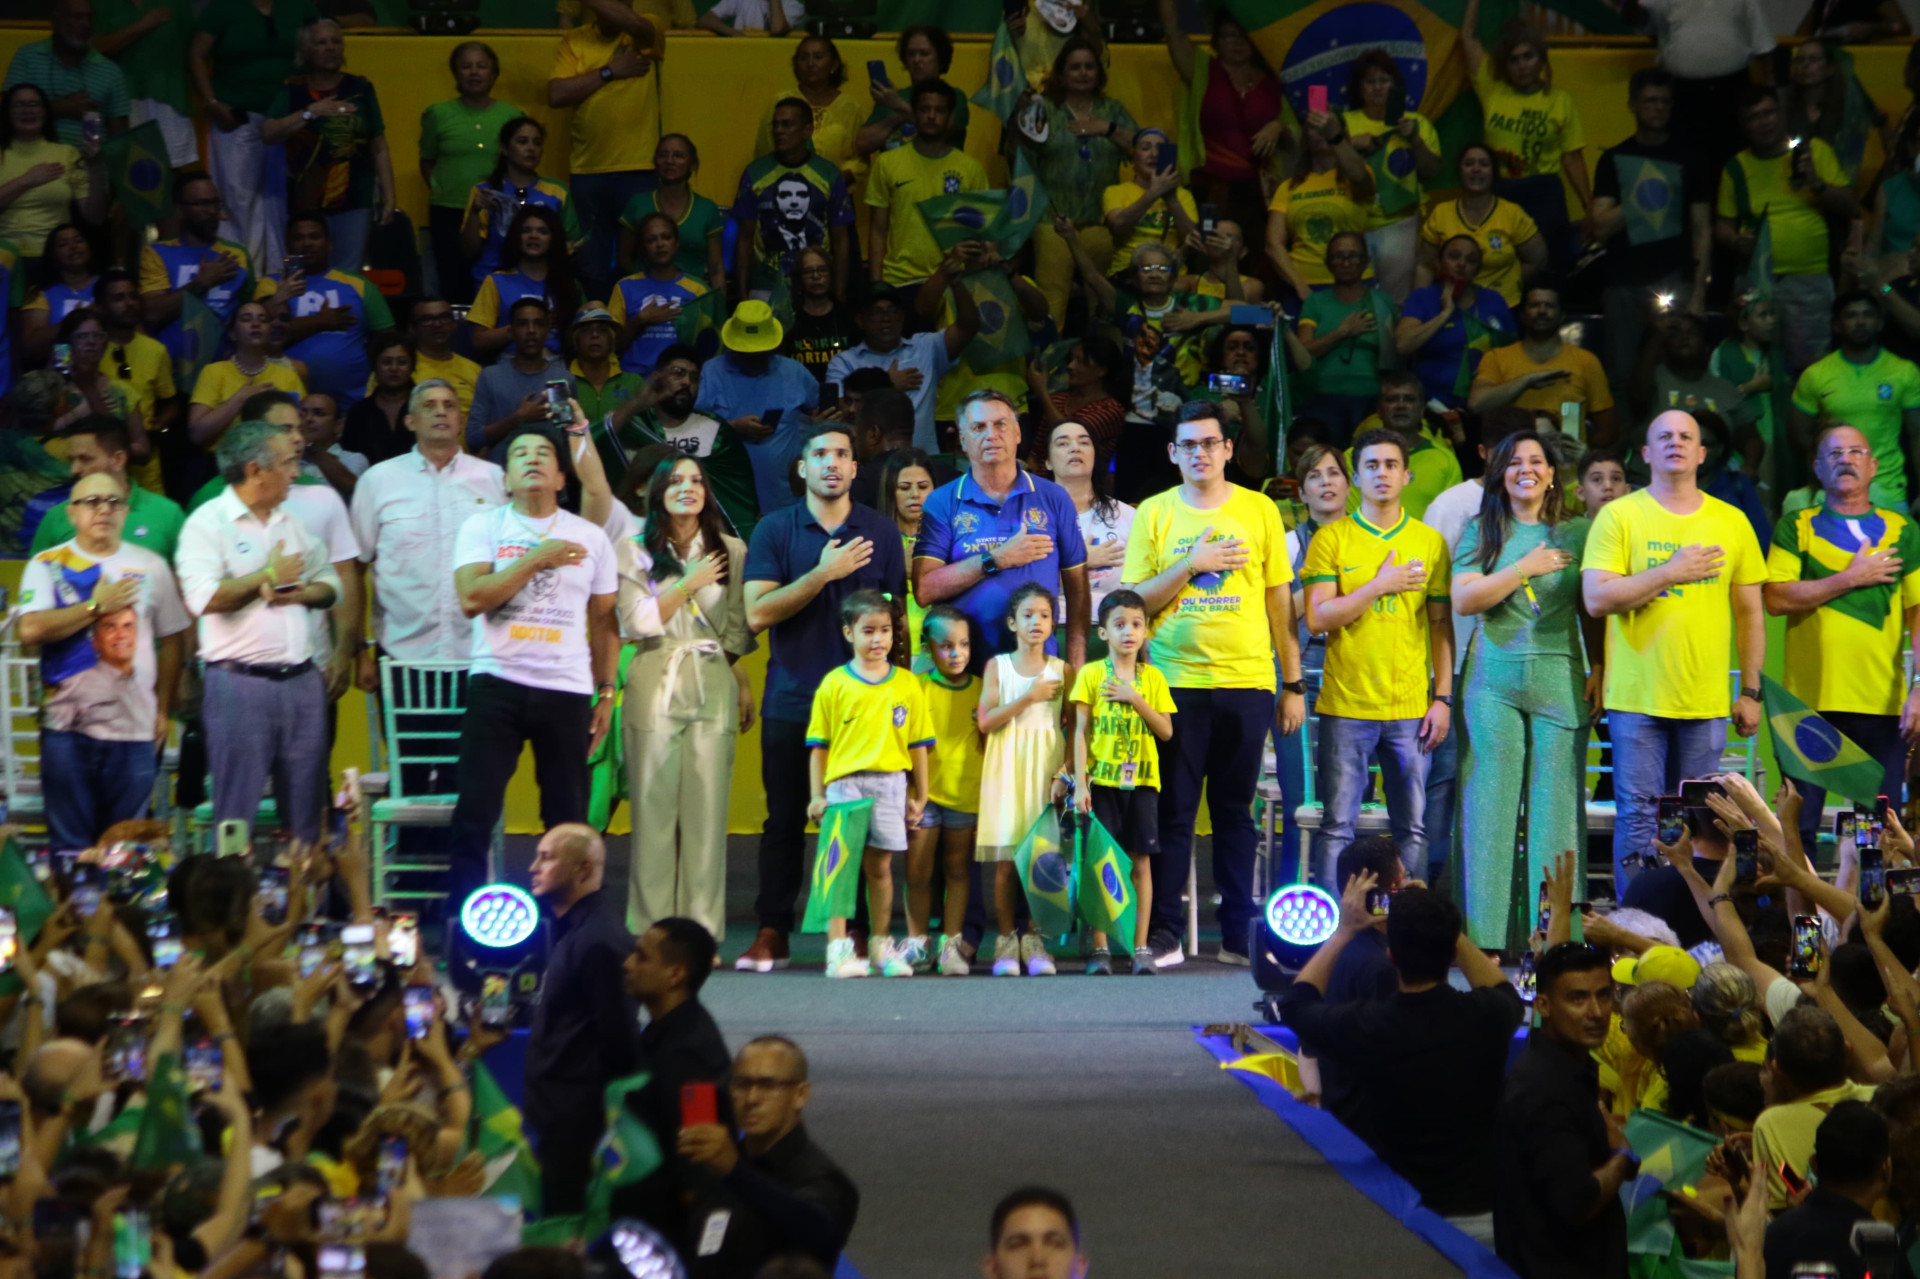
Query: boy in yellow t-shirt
(1377, 584)
(953, 802)
(869, 730)
(1120, 705)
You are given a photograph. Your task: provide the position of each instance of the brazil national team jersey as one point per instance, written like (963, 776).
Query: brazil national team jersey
(169, 264)
(336, 359)
(1870, 397)
(1845, 655)
(868, 728)
(1379, 665)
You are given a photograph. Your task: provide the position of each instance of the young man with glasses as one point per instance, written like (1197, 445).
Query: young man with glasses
(1377, 586)
(109, 620)
(431, 326)
(1846, 575)
(1210, 560)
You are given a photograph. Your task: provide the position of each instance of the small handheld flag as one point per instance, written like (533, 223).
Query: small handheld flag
(1105, 875)
(1027, 205)
(142, 176)
(1046, 875)
(200, 335)
(1812, 750)
(836, 866)
(703, 315)
(971, 215)
(1006, 77)
(1003, 332)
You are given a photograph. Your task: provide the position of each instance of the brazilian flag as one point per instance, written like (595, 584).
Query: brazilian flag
(1027, 204)
(970, 215)
(22, 893)
(836, 866)
(498, 1135)
(1105, 880)
(1652, 199)
(142, 176)
(1812, 750)
(1006, 77)
(167, 1134)
(627, 1154)
(1046, 875)
(1760, 265)
(1003, 326)
(200, 335)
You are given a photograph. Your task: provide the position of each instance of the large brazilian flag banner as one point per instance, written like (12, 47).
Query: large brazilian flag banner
(1315, 42)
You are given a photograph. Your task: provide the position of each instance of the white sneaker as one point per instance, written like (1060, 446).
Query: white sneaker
(842, 962)
(891, 958)
(953, 960)
(1006, 955)
(914, 951)
(1034, 951)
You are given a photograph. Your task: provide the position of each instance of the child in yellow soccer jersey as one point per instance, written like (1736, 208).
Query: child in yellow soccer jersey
(869, 731)
(953, 700)
(1120, 705)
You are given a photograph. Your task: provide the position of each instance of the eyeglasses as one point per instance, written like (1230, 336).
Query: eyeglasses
(1846, 453)
(1150, 269)
(100, 502)
(1212, 444)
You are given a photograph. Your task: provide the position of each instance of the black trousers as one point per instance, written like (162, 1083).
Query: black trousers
(565, 1135)
(455, 272)
(501, 717)
(784, 861)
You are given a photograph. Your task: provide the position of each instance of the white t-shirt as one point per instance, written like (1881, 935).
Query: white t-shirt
(83, 693)
(539, 637)
(694, 437)
(323, 513)
(751, 15)
(1096, 530)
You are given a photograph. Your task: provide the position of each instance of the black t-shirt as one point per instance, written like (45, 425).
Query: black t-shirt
(1655, 185)
(815, 339)
(367, 431)
(1892, 336)
(1661, 892)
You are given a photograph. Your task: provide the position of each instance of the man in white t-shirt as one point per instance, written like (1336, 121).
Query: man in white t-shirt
(539, 584)
(108, 619)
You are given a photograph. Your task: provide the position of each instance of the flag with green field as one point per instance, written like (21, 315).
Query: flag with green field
(1809, 748)
(1045, 867)
(142, 175)
(836, 864)
(1105, 875)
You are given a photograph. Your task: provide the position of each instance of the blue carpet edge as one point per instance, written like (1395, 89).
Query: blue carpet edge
(1356, 1163)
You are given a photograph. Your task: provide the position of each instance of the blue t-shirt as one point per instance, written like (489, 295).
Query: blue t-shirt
(336, 360)
(1470, 333)
(169, 264)
(960, 522)
(801, 650)
(511, 286)
(635, 294)
(924, 351)
(727, 392)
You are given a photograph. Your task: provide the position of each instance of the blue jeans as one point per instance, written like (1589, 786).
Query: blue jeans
(1651, 754)
(1345, 748)
(1443, 794)
(1218, 736)
(348, 230)
(91, 784)
(600, 199)
(1877, 735)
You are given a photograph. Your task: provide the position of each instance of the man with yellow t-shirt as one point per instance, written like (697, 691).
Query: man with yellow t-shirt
(1377, 585)
(1545, 373)
(1677, 575)
(1846, 575)
(1798, 186)
(1863, 385)
(901, 251)
(604, 70)
(1210, 560)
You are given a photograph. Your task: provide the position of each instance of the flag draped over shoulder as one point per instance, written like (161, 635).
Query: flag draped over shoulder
(1046, 875)
(836, 866)
(142, 175)
(1810, 749)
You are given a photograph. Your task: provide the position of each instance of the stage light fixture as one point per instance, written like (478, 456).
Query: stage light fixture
(1297, 920)
(499, 916)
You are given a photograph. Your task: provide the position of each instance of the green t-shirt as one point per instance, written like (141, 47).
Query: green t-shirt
(153, 521)
(1872, 397)
(703, 221)
(155, 65)
(1353, 367)
(597, 404)
(252, 54)
(463, 145)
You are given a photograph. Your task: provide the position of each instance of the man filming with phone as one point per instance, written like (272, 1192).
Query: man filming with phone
(513, 392)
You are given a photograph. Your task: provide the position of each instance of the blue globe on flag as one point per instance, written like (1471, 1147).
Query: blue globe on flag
(1110, 880)
(969, 217)
(1017, 198)
(1050, 873)
(144, 174)
(1653, 195)
(1816, 739)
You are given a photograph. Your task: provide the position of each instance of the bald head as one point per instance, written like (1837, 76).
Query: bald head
(52, 1070)
(570, 862)
(98, 509)
(1674, 449)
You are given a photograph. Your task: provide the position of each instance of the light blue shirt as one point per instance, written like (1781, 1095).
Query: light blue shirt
(924, 351)
(728, 392)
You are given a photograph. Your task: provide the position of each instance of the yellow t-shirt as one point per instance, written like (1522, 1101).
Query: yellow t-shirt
(1528, 132)
(1121, 750)
(457, 370)
(1846, 654)
(1586, 387)
(1395, 167)
(222, 378)
(1506, 228)
(954, 776)
(618, 125)
(868, 728)
(1784, 1134)
(1670, 656)
(1751, 187)
(152, 368)
(900, 180)
(1318, 207)
(1379, 666)
(1214, 634)
(35, 212)
(1156, 225)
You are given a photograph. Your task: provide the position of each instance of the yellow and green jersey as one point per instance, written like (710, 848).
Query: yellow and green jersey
(1379, 666)
(1846, 654)
(868, 728)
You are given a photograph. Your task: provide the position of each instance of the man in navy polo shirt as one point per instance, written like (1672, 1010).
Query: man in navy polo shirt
(801, 563)
(997, 528)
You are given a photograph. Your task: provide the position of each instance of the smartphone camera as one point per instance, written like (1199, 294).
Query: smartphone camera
(1746, 857)
(87, 888)
(1672, 820)
(358, 941)
(132, 1243)
(1805, 963)
(419, 1008)
(1227, 383)
(1526, 983)
(342, 1261)
(496, 1001)
(559, 412)
(391, 1171)
(1873, 878)
(204, 1063)
(126, 1051)
(403, 940)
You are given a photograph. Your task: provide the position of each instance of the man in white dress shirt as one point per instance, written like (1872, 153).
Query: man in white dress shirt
(253, 574)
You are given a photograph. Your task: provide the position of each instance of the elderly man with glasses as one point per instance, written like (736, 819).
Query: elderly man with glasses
(1846, 575)
(109, 621)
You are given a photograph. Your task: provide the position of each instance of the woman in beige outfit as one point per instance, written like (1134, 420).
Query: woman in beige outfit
(683, 602)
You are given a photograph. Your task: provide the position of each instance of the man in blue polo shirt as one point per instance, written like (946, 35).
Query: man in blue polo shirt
(801, 563)
(334, 314)
(766, 398)
(997, 528)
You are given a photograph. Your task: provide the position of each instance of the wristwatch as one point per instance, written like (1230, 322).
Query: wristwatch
(606, 75)
(1754, 693)
(987, 566)
(307, 116)
(1445, 699)
(1295, 686)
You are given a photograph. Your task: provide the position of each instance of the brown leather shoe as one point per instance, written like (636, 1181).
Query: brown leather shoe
(768, 952)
